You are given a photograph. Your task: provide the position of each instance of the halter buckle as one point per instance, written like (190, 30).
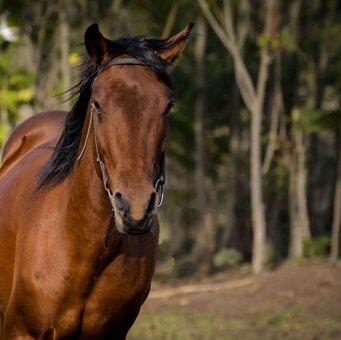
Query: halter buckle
(159, 187)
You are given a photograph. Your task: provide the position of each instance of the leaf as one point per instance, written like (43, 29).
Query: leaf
(262, 40)
(74, 58)
(25, 95)
(3, 134)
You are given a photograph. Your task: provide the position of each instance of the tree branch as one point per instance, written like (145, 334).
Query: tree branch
(242, 75)
(244, 23)
(277, 107)
(228, 21)
(264, 61)
(216, 26)
(170, 19)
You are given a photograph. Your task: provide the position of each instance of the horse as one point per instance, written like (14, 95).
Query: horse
(79, 192)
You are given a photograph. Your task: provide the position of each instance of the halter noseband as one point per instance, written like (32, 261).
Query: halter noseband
(158, 186)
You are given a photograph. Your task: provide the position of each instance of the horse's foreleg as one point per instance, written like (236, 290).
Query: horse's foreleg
(12, 331)
(48, 335)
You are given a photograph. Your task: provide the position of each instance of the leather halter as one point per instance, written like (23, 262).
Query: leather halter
(158, 185)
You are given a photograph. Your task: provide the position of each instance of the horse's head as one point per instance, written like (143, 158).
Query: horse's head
(130, 101)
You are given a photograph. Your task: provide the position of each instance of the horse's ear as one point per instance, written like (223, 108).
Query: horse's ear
(96, 45)
(176, 43)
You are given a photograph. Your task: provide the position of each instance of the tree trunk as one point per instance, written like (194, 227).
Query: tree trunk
(299, 221)
(176, 233)
(204, 245)
(335, 238)
(276, 110)
(64, 48)
(258, 218)
(171, 19)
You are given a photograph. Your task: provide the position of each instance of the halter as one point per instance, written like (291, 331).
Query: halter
(158, 186)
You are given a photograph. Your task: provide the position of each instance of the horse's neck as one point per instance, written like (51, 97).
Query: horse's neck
(89, 211)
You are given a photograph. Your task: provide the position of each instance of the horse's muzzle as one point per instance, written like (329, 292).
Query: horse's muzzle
(129, 227)
(125, 221)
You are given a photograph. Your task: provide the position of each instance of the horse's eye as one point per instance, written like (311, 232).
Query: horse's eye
(95, 105)
(169, 108)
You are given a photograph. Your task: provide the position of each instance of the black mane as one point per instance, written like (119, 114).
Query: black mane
(61, 162)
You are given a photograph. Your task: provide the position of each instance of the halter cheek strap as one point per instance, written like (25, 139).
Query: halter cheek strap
(98, 158)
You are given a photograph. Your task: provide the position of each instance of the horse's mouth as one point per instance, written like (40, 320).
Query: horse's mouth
(133, 228)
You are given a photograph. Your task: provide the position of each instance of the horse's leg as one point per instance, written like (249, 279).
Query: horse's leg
(49, 334)
(14, 330)
(15, 333)
(121, 336)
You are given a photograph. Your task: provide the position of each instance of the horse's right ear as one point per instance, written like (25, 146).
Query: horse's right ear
(177, 43)
(96, 45)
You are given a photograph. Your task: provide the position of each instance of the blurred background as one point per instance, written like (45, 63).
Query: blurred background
(254, 155)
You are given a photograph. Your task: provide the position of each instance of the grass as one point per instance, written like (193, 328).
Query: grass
(172, 326)
(283, 323)
(296, 301)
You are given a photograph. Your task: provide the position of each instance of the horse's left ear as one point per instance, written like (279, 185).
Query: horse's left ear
(96, 45)
(176, 43)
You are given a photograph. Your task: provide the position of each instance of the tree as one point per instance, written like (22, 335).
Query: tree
(205, 240)
(336, 225)
(299, 221)
(253, 96)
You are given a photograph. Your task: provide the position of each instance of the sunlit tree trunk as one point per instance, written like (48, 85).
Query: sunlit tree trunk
(205, 238)
(294, 155)
(258, 217)
(299, 221)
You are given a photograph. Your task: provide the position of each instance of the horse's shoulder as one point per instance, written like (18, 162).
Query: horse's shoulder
(42, 128)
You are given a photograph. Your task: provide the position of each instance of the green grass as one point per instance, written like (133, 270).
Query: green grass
(283, 323)
(171, 326)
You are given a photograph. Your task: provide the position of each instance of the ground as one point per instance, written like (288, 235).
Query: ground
(294, 301)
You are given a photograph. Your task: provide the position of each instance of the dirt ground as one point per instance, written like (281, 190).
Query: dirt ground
(295, 301)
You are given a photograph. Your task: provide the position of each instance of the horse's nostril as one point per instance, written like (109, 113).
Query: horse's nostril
(151, 203)
(120, 203)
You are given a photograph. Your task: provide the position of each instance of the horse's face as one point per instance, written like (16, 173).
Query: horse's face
(131, 105)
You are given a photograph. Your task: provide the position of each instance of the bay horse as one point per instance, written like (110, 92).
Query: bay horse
(79, 193)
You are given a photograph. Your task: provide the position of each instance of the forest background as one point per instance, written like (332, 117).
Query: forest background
(254, 153)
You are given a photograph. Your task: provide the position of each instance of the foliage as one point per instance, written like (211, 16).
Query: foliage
(15, 90)
(227, 257)
(317, 247)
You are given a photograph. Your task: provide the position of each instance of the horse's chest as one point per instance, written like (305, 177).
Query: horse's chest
(116, 298)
